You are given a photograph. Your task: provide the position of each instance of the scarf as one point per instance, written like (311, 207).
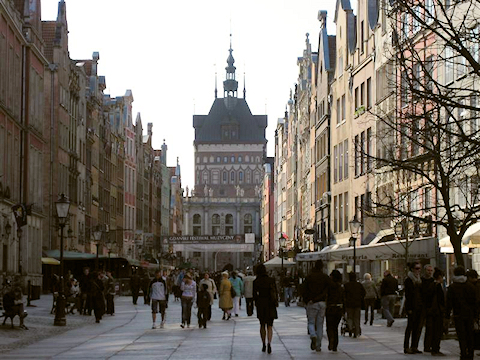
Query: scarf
(417, 280)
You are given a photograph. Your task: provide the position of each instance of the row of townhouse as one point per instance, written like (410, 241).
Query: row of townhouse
(354, 141)
(60, 133)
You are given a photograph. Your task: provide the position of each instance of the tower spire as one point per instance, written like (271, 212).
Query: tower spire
(244, 86)
(216, 92)
(230, 85)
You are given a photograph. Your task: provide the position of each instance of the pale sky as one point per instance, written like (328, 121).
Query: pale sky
(166, 52)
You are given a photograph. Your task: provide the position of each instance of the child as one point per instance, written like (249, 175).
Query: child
(203, 302)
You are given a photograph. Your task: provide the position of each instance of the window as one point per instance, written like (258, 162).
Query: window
(197, 224)
(239, 159)
(369, 150)
(356, 98)
(404, 89)
(224, 177)
(215, 224)
(335, 164)
(343, 107)
(340, 213)
(449, 65)
(406, 26)
(247, 158)
(205, 177)
(215, 177)
(247, 224)
(357, 157)
(362, 153)
(225, 159)
(340, 65)
(345, 150)
(335, 214)
(240, 177)
(340, 162)
(429, 73)
(232, 159)
(232, 176)
(345, 210)
(461, 65)
(362, 94)
(339, 115)
(416, 19)
(229, 224)
(429, 11)
(362, 38)
(369, 93)
(218, 159)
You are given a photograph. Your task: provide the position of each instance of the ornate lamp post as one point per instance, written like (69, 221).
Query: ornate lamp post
(110, 245)
(97, 235)
(354, 225)
(63, 206)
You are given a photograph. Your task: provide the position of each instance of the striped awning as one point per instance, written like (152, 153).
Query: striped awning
(50, 261)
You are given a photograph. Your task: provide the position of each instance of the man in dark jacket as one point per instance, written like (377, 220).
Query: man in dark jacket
(354, 295)
(85, 283)
(428, 288)
(135, 287)
(461, 299)
(388, 292)
(315, 295)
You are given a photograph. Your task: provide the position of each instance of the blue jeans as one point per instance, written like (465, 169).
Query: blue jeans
(315, 316)
(388, 305)
(288, 295)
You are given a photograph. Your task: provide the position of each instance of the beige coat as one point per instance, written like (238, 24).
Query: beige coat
(226, 302)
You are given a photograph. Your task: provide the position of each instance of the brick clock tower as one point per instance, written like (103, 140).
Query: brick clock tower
(230, 147)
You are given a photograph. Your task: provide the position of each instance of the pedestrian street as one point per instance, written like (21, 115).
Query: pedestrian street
(128, 335)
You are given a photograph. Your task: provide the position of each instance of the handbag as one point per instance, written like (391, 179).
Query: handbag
(233, 292)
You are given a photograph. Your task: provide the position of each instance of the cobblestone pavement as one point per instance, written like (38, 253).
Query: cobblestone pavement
(128, 335)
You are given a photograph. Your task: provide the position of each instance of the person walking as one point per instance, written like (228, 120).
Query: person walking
(413, 306)
(237, 285)
(428, 287)
(86, 292)
(110, 293)
(203, 304)
(135, 287)
(288, 289)
(315, 295)
(335, 309)
(157, 292)
(436, 311)
(354, 295)
(461, 300)
(388, 293)
(212, 289)
(371, 296)
(248, 291)
(189, 292)
(226, 301)
(145, 282)
(266, 301)
(98, 298)
(13, 304)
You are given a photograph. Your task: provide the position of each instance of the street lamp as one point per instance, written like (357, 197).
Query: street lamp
(354, 225)
(110, 245)
(63, 206)
(97, 235)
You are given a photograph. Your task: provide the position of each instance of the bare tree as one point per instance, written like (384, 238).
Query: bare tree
(428, 144)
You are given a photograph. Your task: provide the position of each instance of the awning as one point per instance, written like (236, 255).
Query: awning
(50, 261)
(277, 262)
(68, 255)
(471, 239)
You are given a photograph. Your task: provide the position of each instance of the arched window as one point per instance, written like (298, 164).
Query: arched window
(215, 224)
(256, 177)
(247, 158)
(197, 224)
(232, 177)
(205, 177)
(249, 176)
(257, 159)
(240, 177)
(247, 224)
(239, 159)
(229, 224)
(224, 177)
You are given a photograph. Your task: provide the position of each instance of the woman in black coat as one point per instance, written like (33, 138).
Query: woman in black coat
(266, 301)
(98, 297)
(413, 306)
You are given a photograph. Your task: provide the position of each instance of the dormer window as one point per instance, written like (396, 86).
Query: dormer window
(230, 132)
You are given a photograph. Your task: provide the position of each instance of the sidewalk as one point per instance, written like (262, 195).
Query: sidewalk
(128, 335)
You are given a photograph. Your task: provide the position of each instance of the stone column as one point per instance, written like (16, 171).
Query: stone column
(237, 230)
(206, 230)
(186, 230)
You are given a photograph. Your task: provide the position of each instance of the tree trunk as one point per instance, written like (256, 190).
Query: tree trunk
(457, 249)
